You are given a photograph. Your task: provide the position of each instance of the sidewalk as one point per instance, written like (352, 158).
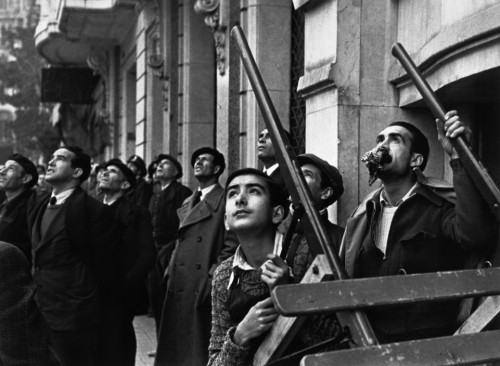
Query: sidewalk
(146, 340)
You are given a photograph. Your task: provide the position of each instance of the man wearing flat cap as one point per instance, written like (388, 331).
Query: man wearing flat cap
(326, 186)
(202, 242)
(17, 179)
(135, 258)
(142, 192)
(163, 208)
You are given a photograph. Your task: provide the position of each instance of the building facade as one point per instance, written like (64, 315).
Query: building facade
(172, 80)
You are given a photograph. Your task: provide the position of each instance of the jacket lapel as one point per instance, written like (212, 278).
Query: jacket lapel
(190, 216)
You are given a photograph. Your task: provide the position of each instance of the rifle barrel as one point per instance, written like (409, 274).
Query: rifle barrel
(483, 181)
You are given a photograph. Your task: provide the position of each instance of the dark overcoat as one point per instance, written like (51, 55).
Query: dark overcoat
(23, 333)
(72, 261)
(186, 317)
(14, 224)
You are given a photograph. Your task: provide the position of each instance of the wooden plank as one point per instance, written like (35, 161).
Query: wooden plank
(285, 328)
(480, 318)
(301, 299)
(465, 349)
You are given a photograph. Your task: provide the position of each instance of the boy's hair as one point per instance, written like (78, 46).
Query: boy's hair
(276, 193)
(80, 160)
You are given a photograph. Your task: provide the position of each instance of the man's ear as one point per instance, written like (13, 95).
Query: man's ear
(225, 222)
(326, 193)
(27, 178)
(278, 214)
(216, 169)
(77, 173)
(416, 160)
(125, 185)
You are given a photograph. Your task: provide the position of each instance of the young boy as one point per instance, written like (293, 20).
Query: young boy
(242, 309)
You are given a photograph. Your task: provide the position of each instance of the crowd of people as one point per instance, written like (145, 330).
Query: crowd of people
(85, 247)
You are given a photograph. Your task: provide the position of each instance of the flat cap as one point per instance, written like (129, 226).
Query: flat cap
(218, 157)
(328, 171)
(28, 167)
(139, 163)
(127, 173)
(174, 161)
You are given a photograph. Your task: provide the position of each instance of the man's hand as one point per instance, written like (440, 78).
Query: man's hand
(451, 128)
(275, 271)
(258, 320)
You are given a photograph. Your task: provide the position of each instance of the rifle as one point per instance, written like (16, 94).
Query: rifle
(477, 172)
(317, 238)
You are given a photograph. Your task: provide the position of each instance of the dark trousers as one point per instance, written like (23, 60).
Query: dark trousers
(76, 348)
(118, 345)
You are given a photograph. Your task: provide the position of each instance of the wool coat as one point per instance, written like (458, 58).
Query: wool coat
(23, 332)
(202, 243)
(14, 224)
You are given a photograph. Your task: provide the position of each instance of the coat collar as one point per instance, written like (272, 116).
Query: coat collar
(209, 205)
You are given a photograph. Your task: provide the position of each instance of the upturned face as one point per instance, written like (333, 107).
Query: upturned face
(111, 179)
(395, 142)
(166, 170)
(59, 168)
(204, 166)
(312, 174)
(265, 148)
(248, 205)
(12, 176)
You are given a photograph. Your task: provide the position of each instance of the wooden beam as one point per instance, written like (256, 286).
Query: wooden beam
(293, 300)
(466, 349)
(285, 328)
(480, 318)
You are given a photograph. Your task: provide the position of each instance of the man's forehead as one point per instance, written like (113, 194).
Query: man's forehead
(163, 161)
(205, 156)
(264, 132)
(10, 163)
(248, 179)
(62, 152)
(310, 167)
(400, 130)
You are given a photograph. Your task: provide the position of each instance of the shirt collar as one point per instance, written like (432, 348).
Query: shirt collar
(239, 260)
(411, 192)
(271, 169)
(206, 190)
(63, 196)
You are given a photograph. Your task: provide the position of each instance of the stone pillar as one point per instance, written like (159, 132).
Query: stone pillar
(267, 27)
(196, 85)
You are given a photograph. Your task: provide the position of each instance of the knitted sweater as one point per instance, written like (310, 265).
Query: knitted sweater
(222, 351)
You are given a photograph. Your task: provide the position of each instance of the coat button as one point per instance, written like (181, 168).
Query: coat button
(198, 239)
(198, 266)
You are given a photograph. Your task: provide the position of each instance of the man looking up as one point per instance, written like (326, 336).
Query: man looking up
(267, 155)
(202, 242)
(73, 245)
(141, 194)
(17, 179)
(163, 208)
(408, 226)
(135, 258)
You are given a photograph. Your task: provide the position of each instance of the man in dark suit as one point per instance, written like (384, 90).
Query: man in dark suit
(135, 256)
(23, 332)
(267, 155)
(17, 179)
(73, 243)
(202, 243)
(163, 208)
